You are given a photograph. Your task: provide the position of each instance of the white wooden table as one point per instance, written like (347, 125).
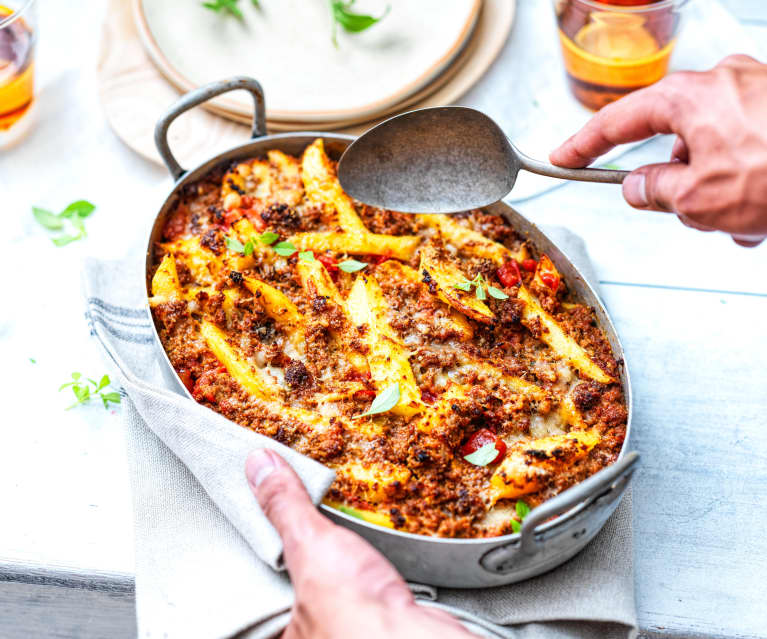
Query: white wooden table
(690, 308)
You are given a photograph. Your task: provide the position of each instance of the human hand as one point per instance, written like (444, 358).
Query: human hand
(343, 586)
(717, 176)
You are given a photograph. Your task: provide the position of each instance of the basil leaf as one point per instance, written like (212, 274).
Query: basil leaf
(286, 249)
(227, 5)
(523, 510)
(516, 526)
(483, 456)
(233, 244)
(113, 397)
(350, 21)
(351, 266)
(464, 286)
(306, 256)
(63, 240)
(80, 208)
(480, 292)
(384, 401)
(104, 381)
(47, 219)
(256, 4)
(268, 237)
(497, 293)
(248, 248)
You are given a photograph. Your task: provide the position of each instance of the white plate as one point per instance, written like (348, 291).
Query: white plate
(287, 45)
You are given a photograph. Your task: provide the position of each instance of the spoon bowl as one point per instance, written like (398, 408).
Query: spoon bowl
(442, 160)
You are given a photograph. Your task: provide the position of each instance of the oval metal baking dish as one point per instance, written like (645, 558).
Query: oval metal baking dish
(553, 532)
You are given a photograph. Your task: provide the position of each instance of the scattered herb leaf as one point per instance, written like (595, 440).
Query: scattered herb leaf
(523, 510)
(33, 360)
(225, 6)
(49, 220)
(480, 292)
(286, 249)
(81, 387)
(233, 244)
(497, 293)
(464, 286)
(350, 21)
(268, 238)
(384, 401)
(351, 266)
(63, 240)
(306, 256)
(80, 208)
(483, 456)
(515, 526)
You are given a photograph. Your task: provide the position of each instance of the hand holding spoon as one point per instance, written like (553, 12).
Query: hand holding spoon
(442, 160)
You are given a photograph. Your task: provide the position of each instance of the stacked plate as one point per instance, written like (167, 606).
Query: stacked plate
(420, 54)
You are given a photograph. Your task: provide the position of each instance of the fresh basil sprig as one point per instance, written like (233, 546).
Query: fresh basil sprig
(74, 214)
(286, 249)
(482, 456)
(480, 285)
(228, 6)
(384, 401)
(81, 387)
(522, 510)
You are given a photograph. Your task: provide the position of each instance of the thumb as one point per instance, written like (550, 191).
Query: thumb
(283, 499)
(654, 186)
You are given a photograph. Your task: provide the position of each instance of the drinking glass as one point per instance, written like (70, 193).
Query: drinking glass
(17, 69)
(613, 47)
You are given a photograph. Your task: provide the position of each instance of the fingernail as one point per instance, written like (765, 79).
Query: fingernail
(635, 189)
(259, 466)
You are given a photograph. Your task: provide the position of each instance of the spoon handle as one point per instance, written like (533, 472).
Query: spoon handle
(582, 175)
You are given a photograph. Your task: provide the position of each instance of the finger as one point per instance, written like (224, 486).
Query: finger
(653, 187)
(283, 499)
(749, 241)
(637, 116)
(680, 152)
(737, 60)
(694, 225)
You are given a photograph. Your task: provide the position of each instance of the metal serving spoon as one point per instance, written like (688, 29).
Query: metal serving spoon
(442, 160)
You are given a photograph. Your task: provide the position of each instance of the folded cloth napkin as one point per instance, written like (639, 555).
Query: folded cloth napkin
(526, 93)
(207, 560)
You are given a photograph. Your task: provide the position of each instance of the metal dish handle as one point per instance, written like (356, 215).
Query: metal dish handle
(197, 97)
(609, 481)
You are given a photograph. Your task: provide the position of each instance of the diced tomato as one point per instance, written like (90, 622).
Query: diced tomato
(185, 375)
(529, 265)
(428, 397)
(230, 217)
(246, 202)
(329, 263)
(548, 273)
(202, 388)
(364, 393)
(509, 274)
(377, 259)
(481, 438)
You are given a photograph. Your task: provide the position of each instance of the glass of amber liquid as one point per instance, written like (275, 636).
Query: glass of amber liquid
(613, 47)
(17, 69)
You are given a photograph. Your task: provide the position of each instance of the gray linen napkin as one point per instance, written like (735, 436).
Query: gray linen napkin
(207, 560)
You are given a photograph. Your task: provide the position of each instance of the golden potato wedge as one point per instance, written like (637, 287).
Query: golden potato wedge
(528, 465)
(395, 271)
(441, 276)
(437, 413)
(165, 285)
(204, 265)
(485, 369)
(559, 341)
(466, 239)
(400, 246)
(372, 480)
(281, 309)
(387, 356)
(289, 187)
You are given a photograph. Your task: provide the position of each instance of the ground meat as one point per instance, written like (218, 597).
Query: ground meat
(297, 375)
(586, 395)
(281, 217)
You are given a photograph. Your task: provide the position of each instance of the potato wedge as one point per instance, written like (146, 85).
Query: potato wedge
(402, 247)
(289, 187)
(254, 380)
(454, 321)
(441, 276)
(165, 285)
(281, 309)
(486, 370)
(387, 355)
(470, 241)
(379, 518)
(373, 479)
(437, 413)
(559, 341)
(528, 465)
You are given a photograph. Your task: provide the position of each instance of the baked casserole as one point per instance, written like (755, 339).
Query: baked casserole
(437, 363)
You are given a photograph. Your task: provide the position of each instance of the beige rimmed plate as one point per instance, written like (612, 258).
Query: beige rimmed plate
(287, 45)
(134, 94)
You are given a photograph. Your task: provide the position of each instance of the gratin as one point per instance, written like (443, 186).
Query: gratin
(437, 363)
